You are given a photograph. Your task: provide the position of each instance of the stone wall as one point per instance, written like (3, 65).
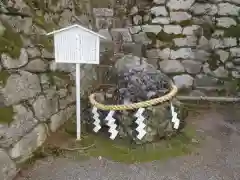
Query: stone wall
(37, 95)
(196, 42)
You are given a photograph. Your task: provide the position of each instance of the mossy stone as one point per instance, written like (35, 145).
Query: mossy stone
(214, 61)
(39, 20)
(2, 29)
(162, 39)
(233, 85)
(165, 37)
(233, 31)
(186, 23)
(3, 77)
(37, 5)
(62, 75)
(11, 42)
(100, 4)
(43, 40)
(151, 35)
(55, 2)
(47, 26)
(6, 115)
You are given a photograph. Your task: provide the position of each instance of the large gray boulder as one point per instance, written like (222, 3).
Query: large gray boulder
(21, 86)
(140, 81)
(8, 169)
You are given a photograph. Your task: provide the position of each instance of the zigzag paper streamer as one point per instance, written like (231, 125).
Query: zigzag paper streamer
(97, 120)
(141, 125)
(112, 126)
(175, 119)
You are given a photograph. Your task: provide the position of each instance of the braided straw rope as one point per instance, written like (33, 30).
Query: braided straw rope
(138, 105)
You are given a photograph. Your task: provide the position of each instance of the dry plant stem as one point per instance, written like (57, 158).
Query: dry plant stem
(77, 149)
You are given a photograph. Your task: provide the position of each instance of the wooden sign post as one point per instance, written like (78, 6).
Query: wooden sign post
(76, 45)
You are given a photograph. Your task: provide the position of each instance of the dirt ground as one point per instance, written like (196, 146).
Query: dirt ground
(218, 158)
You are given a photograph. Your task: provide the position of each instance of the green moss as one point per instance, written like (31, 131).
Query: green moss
(221, 92)
(234, 86)
(186, 23)
(54, 2)
(6, 115)
(151, 35)
(117, 151)
(37, 5)
(43, 40)
(165, 37)
(122, 151)
(213, 61)
(3, 77)
(100, 4)
(40, 5)
(233, 31)
(40, 22)
(11, 42)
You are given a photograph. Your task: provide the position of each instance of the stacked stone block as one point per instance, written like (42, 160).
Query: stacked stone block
(195, 42)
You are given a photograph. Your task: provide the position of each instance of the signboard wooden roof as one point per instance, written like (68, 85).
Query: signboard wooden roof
(78, 26)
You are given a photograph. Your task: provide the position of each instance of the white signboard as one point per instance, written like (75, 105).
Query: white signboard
(77, 45)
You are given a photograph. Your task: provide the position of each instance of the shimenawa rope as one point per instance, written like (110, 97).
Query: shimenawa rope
(137, 105)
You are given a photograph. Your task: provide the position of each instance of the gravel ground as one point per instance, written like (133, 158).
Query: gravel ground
(217, 159)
